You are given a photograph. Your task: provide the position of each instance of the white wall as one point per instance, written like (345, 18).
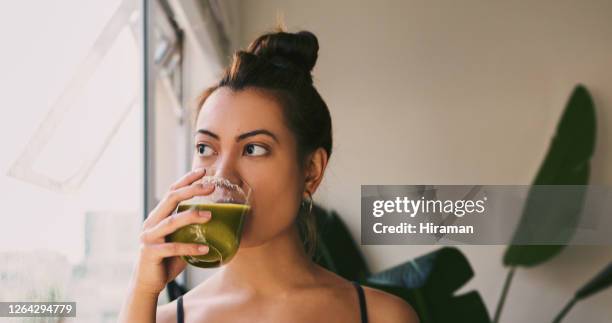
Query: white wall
(458, 92)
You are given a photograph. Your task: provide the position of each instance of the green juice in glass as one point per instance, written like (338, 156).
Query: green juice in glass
(221, 233)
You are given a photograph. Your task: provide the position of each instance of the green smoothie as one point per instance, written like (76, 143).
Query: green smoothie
(221, 233)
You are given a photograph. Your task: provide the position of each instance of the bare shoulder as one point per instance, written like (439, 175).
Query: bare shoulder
(385, 307)
(166, 313)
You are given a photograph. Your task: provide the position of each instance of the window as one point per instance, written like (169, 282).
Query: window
(91, 140)
(72, 163)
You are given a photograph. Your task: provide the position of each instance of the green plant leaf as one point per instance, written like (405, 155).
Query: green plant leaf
(600, 282)
(430, 282)
(566, 163)
(336, 249)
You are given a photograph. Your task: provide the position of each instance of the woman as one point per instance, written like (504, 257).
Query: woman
(264, 123)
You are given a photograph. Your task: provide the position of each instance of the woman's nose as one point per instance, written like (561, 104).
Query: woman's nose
(226, 168)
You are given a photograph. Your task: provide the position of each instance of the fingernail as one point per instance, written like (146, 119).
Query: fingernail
(199, 170)
(203, 248)
(205, 214)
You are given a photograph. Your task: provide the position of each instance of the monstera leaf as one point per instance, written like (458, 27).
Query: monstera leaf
(428, 283)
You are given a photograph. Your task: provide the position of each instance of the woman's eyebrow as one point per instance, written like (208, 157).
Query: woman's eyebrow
(242, 136)
(209, 133)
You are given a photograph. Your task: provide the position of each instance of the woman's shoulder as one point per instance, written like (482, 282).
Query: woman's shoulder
(382, 307)
(385, 307)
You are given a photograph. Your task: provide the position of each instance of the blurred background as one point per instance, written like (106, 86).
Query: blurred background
(96, 124)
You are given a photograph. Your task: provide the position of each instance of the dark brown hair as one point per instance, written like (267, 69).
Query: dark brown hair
(279, 64)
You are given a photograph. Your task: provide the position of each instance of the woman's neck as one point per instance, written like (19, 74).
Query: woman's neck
(274, 268)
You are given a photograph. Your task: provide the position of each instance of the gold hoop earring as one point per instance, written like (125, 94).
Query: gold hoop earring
(310, 201)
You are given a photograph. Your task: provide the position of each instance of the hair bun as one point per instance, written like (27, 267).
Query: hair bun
(300, 49)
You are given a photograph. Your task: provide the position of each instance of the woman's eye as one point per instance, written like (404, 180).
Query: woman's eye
(255, 150)
(202, 151)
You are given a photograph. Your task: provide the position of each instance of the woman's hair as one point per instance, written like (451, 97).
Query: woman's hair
(279, 64)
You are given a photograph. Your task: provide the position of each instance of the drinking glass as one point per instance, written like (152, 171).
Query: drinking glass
(229, 204)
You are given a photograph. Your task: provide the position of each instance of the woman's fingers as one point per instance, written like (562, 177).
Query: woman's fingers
(157, 252)
(188, 178)
(173, 222)
(167, 205)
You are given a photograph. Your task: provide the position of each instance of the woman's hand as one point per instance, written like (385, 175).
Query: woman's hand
(159, 262)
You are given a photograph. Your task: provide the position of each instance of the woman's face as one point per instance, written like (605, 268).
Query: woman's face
(242, 134)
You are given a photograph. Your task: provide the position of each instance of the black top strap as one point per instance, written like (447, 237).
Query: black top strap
(179, 310)
(362, 302)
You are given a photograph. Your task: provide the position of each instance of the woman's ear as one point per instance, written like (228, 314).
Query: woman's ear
(315, 168)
